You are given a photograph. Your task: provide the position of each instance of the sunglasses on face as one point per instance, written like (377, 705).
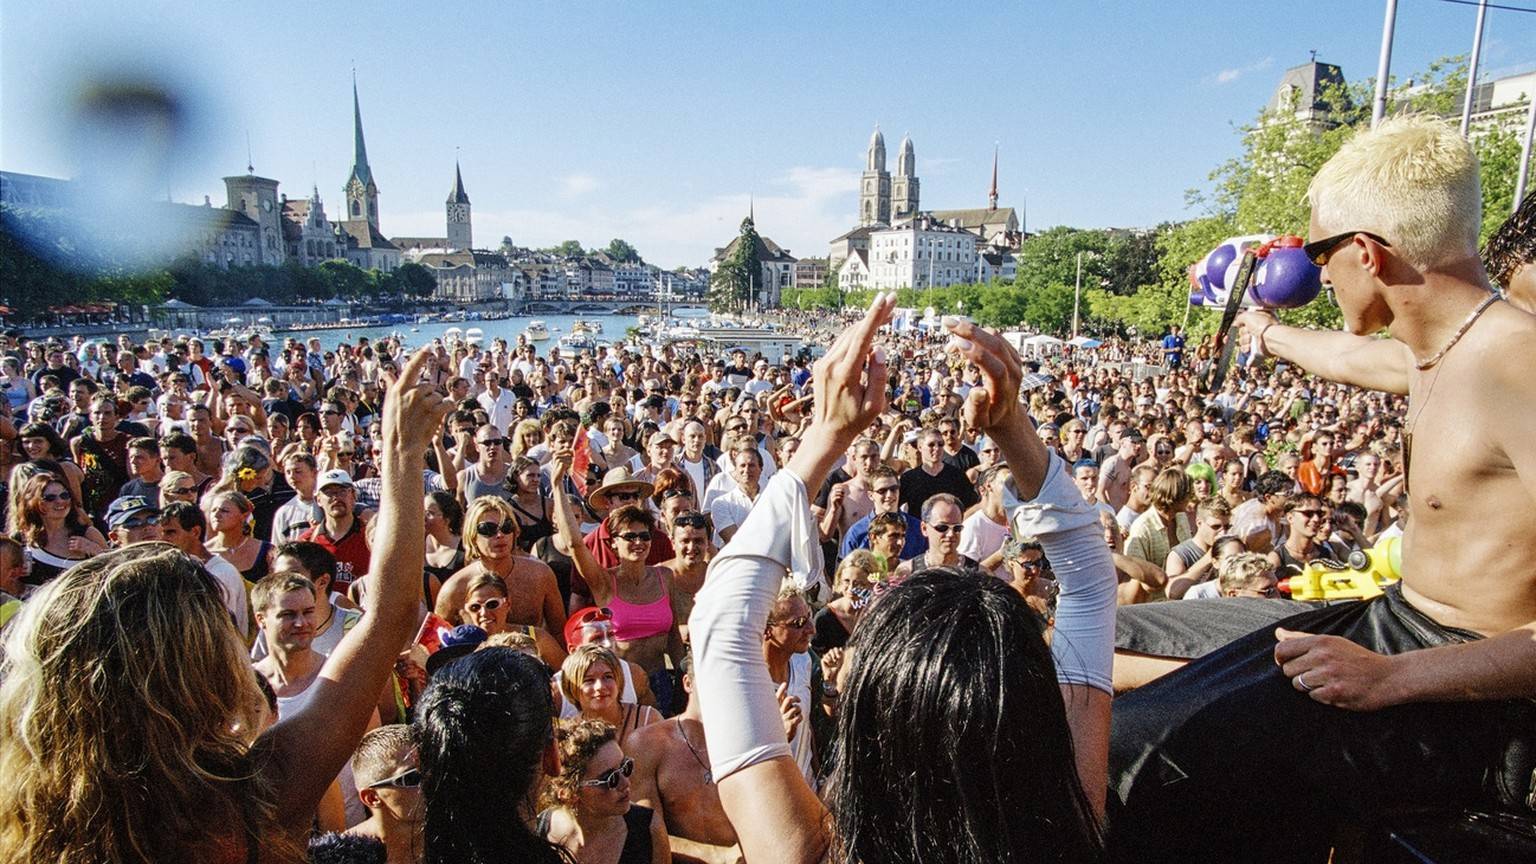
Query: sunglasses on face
(610, 778)
(943, 528)
(490, 605)
(141, 522)
(794, 623)
(635, 536)
(1037, 564)
(58, 496)
(490, 529)
(410, 779)
(886, 490)
(493, 442)
(735, 429)
(1319, 251)
(692, 520)
(624, 496)
(1311, 514)
(183, 490)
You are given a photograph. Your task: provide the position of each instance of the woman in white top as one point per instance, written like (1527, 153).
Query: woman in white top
(931, 766)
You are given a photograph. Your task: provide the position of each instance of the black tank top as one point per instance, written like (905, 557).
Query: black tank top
(637, 842)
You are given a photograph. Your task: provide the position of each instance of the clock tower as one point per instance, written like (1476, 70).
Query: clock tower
(361, 192)
(256, 199)
(458, 213)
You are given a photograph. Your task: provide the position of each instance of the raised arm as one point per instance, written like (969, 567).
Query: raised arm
(1364, 361)
(595, 574)
(776, 815)
(311, 746)
(1042, 501)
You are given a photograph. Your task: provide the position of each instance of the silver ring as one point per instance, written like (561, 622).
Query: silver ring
(1301, 681)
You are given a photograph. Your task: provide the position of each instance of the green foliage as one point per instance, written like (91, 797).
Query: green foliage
(414, 280)
(620, 250)
(740, 277)
(819, 298)
(568, 249)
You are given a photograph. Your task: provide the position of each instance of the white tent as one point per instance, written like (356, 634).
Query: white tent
(1084, 342)
(1044, 340)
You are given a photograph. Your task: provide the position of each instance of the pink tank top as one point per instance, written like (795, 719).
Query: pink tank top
(633, 621)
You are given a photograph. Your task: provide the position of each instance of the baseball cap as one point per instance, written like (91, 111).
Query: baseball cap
(660, 438)
(334, 477)
(124, 508)
(458, 642)
(583, 617)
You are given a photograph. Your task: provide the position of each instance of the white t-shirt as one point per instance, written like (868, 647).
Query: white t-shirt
(232, 587)
(499, 407)
(981, 537)
(802, 747)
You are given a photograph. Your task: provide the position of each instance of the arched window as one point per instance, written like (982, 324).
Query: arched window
(356, 210)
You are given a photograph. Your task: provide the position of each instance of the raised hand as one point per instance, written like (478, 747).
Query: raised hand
(413, 409)
(994, 407)
(850, 379)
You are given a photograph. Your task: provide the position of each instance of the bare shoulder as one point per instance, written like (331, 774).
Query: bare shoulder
(529, 566)
(1500, 347)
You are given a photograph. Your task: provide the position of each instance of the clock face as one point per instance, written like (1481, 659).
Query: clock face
(266, 204)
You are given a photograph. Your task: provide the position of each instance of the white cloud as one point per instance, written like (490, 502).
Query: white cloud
(576, 185)
(802, 210)
(1227, 76)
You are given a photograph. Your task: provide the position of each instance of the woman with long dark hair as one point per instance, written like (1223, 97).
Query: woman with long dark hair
(483, 732)
(943, 672)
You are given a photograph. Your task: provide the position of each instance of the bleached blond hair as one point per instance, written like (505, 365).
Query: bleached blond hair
(1414, 181)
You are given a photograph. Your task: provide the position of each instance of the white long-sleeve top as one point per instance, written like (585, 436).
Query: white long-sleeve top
(736, 694)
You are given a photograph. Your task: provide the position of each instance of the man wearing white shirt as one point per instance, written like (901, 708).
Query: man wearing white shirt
(984, 532)
(497, 401)
(183, 525)
(730, 509)
(759, 382)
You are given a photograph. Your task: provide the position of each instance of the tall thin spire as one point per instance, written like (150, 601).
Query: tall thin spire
(360, 168)
(752, 208)
(457, 196)
(992, 196)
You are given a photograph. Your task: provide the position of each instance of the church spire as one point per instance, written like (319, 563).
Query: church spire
(457, 195)
(360, 169)
(992, 196)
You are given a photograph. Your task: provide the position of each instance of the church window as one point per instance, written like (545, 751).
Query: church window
(355, 209)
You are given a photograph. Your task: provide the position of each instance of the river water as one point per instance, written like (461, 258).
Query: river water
(614, 327)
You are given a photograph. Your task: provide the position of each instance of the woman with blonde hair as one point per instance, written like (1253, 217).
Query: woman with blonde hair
(589, 678)
(151, 748)
(231, 529)
(590, 813)
(525, 436)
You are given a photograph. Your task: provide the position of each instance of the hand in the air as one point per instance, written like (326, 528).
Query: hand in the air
(851, 378)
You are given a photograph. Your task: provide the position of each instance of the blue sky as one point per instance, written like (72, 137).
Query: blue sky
(656, 121)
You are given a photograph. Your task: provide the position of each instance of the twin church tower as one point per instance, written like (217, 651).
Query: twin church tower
(884, 200)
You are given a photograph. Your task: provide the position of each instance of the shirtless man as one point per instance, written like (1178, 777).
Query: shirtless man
(672, 777)
(533, 595)
(1115, 473)
(849, 501)
(1394, 225)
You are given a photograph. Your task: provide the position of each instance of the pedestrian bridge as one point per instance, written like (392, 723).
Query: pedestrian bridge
(584, 307)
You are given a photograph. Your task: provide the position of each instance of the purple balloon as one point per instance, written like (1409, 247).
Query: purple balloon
(1216, 265)
(1287, 279)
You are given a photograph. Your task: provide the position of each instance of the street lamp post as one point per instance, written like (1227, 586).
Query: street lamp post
(1384, 65)
(1477, 50)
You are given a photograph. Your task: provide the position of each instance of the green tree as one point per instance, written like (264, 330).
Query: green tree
(415, 280)
(620, 250)
(568, 249)
(344, 280)
(737, 282)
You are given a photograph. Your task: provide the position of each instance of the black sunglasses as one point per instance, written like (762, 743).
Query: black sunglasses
(610, 778)
(677, 492)
(691, 520)
(1319, 251)
(488, 529)
(635, 536)
(944, 527)
(492, 442)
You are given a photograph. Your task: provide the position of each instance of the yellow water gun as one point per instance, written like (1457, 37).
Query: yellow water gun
(1367, 574)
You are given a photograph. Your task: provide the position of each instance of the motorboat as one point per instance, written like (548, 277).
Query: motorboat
(474, 336)
(578, 340)
(536, 331)
(582, 326)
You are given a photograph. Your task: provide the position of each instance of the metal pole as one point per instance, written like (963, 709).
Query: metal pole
(1477, 50)
(1525, 151)
(1077, 293)
(1384, 67)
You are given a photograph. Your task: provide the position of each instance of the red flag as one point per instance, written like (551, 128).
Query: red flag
(582, 459)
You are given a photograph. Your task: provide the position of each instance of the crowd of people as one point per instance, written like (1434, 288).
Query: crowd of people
(482, 602)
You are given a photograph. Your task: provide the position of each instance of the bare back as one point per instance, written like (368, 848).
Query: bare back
(671, 779)
(1467, 556)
